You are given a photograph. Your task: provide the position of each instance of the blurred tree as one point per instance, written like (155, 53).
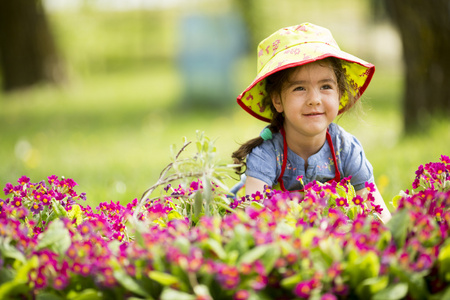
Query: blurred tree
(28, 53)
(424, 28)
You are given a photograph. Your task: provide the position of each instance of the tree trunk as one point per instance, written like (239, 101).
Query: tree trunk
(424, 28)
(27, 50)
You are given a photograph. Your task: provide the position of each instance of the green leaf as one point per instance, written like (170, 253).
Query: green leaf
(399, 225)
(308, 235)
(56, 238)
(129, 283)
(444, 262)
(392, 292)
(395, 201)
(87, 294)
(163, 278)
(59, 210)
(416, 283)
(48, 296)
(173, 214)
(371, 286)
(198, 204)
(183, 244)
(6, 275)
(270, 257)
(171, 294)
(20, 281)
(207, 191)
(360, 267)
(202, 291)
(254, 254)
(330, 250)
(76, 213)
(8, 250)
(217, 248)
(290, 282)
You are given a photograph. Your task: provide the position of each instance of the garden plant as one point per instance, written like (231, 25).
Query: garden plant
(185, 238)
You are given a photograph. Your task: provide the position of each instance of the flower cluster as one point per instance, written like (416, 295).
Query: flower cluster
(324, 243)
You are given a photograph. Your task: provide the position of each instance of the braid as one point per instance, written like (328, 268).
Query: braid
(274, 84)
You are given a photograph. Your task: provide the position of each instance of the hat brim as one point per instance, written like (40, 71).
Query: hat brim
(359, 74)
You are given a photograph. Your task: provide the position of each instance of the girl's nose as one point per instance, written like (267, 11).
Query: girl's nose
(314, 98)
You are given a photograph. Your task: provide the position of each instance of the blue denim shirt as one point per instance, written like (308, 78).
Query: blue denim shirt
(265, 161)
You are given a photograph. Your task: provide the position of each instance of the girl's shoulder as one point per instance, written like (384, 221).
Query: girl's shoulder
(272, 145)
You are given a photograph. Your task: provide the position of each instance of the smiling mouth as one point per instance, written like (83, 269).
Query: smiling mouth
(313, 114)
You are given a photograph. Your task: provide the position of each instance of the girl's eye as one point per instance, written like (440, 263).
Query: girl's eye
(327, 87)
(299, 88)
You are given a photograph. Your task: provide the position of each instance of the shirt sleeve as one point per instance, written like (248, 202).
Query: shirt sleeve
(262, 164)
(355, 163)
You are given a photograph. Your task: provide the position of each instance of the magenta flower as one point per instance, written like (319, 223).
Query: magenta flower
(60, 282)
(241, 295)
(252, 212)
(21, 212)
(358, 200)
(423, 262)
(303, 289)
(340, 290)
(331, 187)
(85, 228)
(17, 202)
(328, 297)
(9, 189)
(53, 180)
(370, 187)
(377, 208)
(228, 276)
(23, 180)
(40, 281)
(445, 159)
(257, 196)
(118, 236)
(46, 200)
(195, 186)
(341, 201)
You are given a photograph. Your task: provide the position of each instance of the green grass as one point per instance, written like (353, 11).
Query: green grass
(111, 127)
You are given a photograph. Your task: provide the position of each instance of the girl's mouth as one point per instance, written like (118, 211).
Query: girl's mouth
(313, 114)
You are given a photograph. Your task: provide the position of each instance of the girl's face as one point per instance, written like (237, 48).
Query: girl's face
(309, 99)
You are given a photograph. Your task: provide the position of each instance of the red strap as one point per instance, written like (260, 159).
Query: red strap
(337, 176)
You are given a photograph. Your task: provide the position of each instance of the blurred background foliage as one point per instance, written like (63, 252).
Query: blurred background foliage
(136, 76)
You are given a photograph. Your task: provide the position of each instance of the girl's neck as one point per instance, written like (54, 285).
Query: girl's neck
(304, 146)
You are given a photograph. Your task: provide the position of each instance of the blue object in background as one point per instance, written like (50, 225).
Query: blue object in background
(209, 47)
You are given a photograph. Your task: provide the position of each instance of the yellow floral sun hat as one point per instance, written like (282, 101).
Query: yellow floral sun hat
(295, 46)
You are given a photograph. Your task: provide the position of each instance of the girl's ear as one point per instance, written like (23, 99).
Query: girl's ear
(276, 101)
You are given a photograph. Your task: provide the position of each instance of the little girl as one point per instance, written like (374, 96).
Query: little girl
(304, 82)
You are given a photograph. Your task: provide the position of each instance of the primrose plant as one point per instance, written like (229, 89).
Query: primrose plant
(201, 191)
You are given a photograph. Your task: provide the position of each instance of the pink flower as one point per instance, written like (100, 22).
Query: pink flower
(303, 289)
(23, 180)
(17, 202)
(257, 196)
(53, 180)
(228, 276)
(445, 159)
(370, 186)
(241, 295)
(328, 297)
(341, 201)
(9, 188)
(60, 282)
(358, 200)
